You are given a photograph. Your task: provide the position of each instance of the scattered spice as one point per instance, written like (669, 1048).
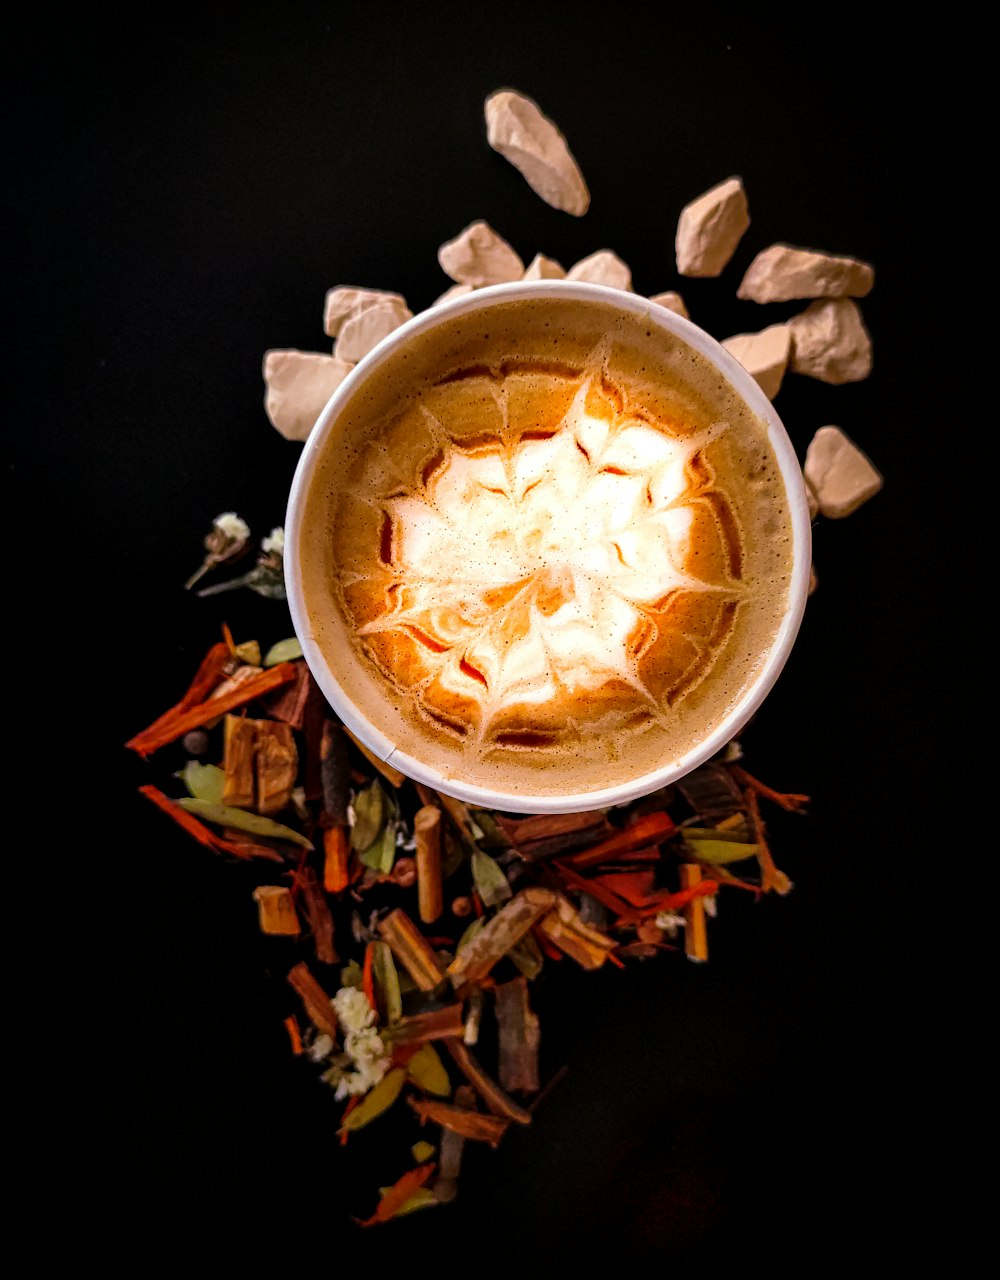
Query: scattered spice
(578, 888)
(396, 1198)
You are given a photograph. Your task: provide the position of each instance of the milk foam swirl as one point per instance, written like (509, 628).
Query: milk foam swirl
(545, 577)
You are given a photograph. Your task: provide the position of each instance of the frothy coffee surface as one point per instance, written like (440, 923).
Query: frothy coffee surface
(547, 548)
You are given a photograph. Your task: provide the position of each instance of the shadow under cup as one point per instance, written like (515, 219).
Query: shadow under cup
(351, 677)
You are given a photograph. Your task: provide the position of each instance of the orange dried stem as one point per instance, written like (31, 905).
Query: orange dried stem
(650, 829)
(771, 879)
(427, 838)
(788, 800)
(205, 680)
(193, 718)
(337, 856)
(412, 950)
(695, 933)
(291, 1025)
(467, 1124)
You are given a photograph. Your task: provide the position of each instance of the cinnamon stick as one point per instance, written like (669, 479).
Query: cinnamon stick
(314, 999)
(194, 717)
(695, 934)
(436, 1024)
(504, 931)
(519, 1037)
(607, 897)
(239, 744)
(336, 855)
(294, 1035)
(427, 837)
(412, 950)
(468, 1124)
(488, 1089)
(650, 829)
(208, 675)
(276, 911)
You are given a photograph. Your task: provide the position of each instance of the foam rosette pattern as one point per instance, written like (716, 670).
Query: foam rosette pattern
(563, 568)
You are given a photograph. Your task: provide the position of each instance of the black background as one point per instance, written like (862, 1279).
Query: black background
(187, 187)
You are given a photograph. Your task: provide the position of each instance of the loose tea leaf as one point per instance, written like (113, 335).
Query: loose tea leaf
(377, 1102)
(719, 852)
(422, 1151)
(396, 1198)
(226, 816)
(491, 883)
(387, 994)
(382, 854)
(204, 781)
(422, 1199)
(284, 651)
(201, 833)
(427, 1071)
(369, 814)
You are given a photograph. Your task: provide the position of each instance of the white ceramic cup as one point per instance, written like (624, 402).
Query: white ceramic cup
(652, 315)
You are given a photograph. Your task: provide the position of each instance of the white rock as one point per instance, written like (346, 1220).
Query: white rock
(830, 342)
(710, 228)
(782, 272)
(366, 329)
(542, 268)
(672, 301)
(456, 291)
(839, 474)
(602, 267)
(478, 256)
(764, 355)
(299, 383)
(531, 142)
(346, 300)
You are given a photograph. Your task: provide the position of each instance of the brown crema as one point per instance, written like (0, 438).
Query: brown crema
(546, 548)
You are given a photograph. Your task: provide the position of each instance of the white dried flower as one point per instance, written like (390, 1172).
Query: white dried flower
(711, 905)
(670, 922)
(274, 543)
(232, 526)
(320, 1048)
(353, 1010)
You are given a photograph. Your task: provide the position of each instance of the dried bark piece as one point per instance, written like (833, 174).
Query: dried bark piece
(650, 829)
(710, 228)
(314, 999)
(365, 329)
(412, 949)
(299, 383)
(548, 833)
(672, 301)
(496, 1100)
(276, 911)
(452, 1143)
(239, 739)
(456, 291)
(781, 273)
(348, 300)
(830, 342)
(839, 474)
(711, 792)
(603, 267)
(289, 704)
(764, 355)
(467, 1124)
(585, 944)
(519, 1037)
(504, 931)
(427, 838)
(517, 128)
(317, 914)
(542, 268)
(277, 763)
(437, 1024)
(478, 256)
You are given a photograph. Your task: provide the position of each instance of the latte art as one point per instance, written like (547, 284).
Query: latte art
(548, 551)
(524, 578)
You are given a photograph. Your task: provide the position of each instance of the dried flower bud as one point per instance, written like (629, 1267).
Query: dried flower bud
(196, 742)
(404, 873)
(461, 907)
(226, 539)
(267, 577)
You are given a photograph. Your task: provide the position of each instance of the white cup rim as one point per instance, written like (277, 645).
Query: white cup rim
(753, 696)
